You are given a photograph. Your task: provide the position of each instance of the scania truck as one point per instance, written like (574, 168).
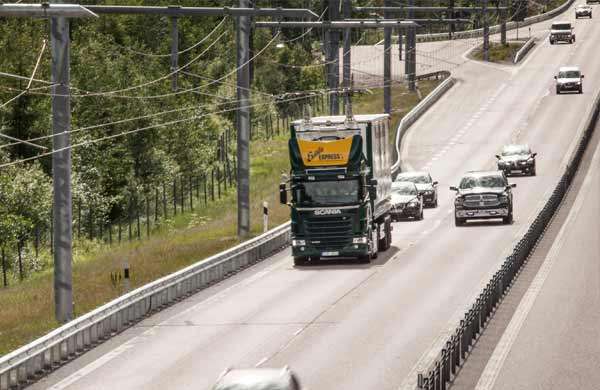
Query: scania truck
(339, 188)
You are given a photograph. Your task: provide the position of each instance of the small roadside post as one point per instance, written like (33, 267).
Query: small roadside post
(265, 216)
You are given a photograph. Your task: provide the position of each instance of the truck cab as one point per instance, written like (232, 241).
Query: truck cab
(339, 187)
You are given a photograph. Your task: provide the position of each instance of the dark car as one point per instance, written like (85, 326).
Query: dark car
(258, 379)
(406, 201)
(483, 195)
(517, 158)
(425, 185)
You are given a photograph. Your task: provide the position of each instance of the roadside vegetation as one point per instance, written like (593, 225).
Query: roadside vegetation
(499, 53)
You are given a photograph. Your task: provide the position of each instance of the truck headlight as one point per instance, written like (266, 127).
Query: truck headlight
(413, 204)
(428, 192)
(359, 240)
(503, 198)
(298, 242)
(458, 201)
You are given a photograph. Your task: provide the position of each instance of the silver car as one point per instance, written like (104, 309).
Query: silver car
(426, 186)
(258, 379)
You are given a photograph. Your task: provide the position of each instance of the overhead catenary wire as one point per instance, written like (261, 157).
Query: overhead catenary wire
(96, 140)
(170, 54)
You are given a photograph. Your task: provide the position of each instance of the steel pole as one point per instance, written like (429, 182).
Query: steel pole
(486, 33)
(61, 170)
(174, 52)
(334, 66)
(243, 122)
(347, 45)
(387, 65)
(411, 58)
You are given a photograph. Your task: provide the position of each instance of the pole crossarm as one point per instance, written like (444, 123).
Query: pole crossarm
(341, 24)
(424, 20)
(45, 10)
(400, 9)
(177, 11)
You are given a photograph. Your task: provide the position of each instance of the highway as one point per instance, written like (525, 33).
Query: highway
(352, 326)
(566, 294)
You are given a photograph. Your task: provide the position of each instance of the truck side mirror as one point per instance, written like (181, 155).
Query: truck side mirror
(533, 154)
(582, 76)
(513, 185)
(435, 183)
(453, 188)
(554, 77)
(498, 157)
(282, 194)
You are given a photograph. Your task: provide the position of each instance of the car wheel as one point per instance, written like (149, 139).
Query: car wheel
(532, 172)
(580, 90)
(459, 221)
(300, 260)
(435, 204)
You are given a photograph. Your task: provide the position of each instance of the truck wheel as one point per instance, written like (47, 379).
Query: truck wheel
(557, 91)
(580, 90)
(532, 172)
(386, 241)
(552, 42)
(300, 261)
(508, 219)
(435, 204)
(459, 221)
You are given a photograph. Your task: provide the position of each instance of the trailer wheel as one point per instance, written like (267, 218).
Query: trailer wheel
(386, 242)
(375, 242)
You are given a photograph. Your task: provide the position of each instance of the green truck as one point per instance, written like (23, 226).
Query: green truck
(339, 188)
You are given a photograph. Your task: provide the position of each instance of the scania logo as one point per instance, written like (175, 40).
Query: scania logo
(328, 211)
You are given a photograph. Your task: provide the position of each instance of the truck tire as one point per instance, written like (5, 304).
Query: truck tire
(386, 242)
(459, 221)
(557, 90)
(300, 261)
(532, 172)
(508, 219)
(580, 90)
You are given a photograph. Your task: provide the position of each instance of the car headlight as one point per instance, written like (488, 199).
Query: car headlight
(298, 242)
(413, 203)
(502, 163)
(359, 240)
(428, 192)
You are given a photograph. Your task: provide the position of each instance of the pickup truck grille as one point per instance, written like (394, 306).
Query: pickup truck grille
(484, 200)
(329, 233)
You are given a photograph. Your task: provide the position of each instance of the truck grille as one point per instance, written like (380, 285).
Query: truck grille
(484, 200)
(329, 233)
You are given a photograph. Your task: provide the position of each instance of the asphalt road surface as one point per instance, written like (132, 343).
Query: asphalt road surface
(349, 326)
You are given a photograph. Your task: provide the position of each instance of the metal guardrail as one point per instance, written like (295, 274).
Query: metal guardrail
(67, 342)
(496, 28)
(47, 353)
(524, 50)
(419, 110)
(457, 347)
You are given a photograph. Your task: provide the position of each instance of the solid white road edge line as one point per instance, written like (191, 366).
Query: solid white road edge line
(496, 361)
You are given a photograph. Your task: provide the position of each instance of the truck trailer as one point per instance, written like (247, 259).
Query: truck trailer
(339, 187)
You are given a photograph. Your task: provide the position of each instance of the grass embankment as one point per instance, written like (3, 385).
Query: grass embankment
(27, 308)
(499, 53)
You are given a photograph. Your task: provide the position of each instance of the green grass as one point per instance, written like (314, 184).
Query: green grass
(499, 53)
(27, 307)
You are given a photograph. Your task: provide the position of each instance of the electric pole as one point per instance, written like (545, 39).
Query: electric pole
(174, 52)
(243, 121)
(486, 33)
(387, 64)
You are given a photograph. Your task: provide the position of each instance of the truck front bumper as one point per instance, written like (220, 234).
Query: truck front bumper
(350, 250)
(482, 213)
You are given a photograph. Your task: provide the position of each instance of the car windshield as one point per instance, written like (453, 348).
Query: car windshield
(561, 26)
(404, 189)
(420, 179)
(488, 181)
(327, 192)
(569, 74)
(515, 149)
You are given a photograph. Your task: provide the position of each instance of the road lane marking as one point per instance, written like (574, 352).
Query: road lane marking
(496, 361)
(68, 381)
(261, 362)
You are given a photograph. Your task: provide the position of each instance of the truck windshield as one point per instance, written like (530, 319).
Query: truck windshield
(561, 26)
(490, 181)
(327, 192)
(512, 150)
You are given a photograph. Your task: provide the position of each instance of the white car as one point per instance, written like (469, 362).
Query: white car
(569, 78)
(583, 10)
(561, 32)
